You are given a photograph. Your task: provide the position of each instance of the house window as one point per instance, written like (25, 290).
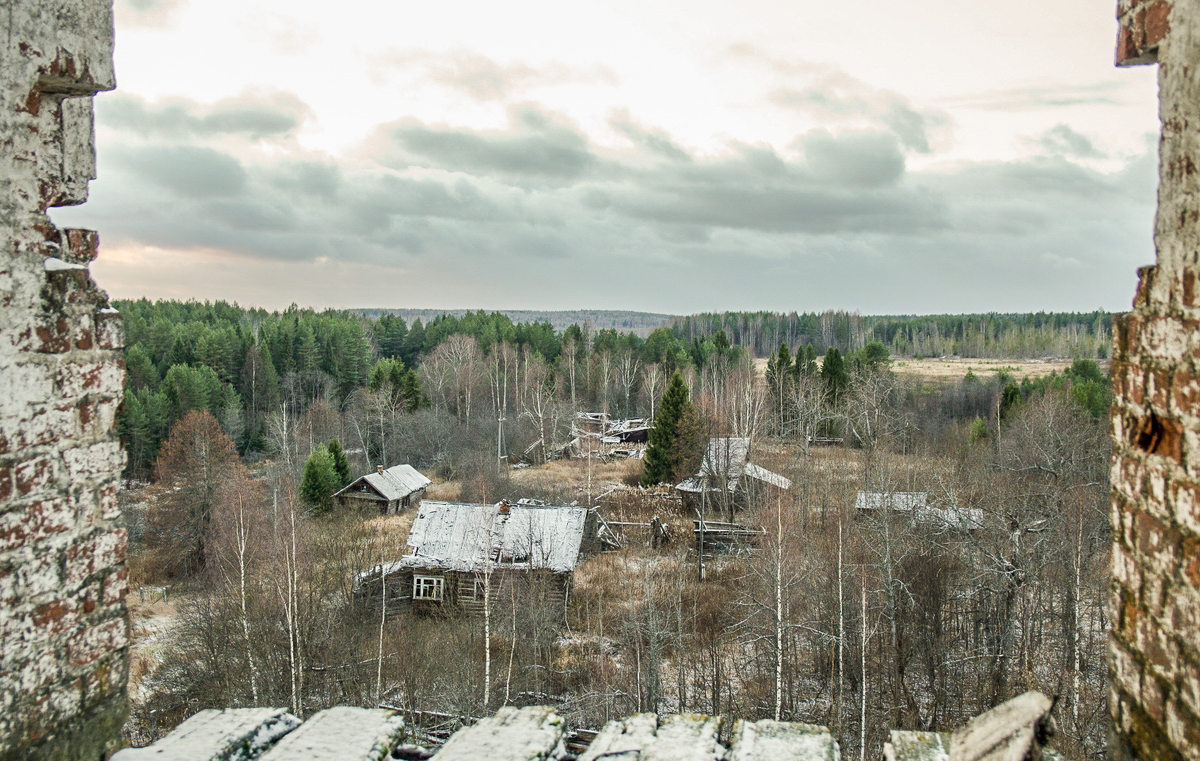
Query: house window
(427, 588)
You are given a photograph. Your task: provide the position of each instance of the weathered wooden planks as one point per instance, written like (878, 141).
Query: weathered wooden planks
(235, 734)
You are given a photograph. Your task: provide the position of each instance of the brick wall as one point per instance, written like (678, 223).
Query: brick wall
(63, 624)
(1155, 598)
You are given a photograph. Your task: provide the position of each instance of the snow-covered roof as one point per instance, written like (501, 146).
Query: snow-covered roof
(725, 456)
(762, 474)
(728, 457)
(464, 537)
(397, 482)
(916, 503)
(900, 501)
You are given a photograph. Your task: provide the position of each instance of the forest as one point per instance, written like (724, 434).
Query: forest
(863, 620)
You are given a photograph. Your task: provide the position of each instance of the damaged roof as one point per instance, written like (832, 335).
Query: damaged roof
(464, 537)
(397, 482)
(729, 457)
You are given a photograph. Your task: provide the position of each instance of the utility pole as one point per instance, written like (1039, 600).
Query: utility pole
(499, 440)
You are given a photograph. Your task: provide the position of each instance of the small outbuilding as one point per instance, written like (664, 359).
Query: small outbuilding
(389, 491)
(727, 480)
(461, 553)
(916, 506)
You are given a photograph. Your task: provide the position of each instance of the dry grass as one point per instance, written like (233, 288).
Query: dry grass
(953, 369)
(935, 370)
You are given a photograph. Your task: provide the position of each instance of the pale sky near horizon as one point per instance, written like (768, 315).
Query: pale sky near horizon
(673, 156)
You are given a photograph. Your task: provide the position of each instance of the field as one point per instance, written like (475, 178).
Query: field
(953, 369)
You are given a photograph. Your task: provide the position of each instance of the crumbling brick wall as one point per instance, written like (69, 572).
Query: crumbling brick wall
(63, 623)
(1155, 598)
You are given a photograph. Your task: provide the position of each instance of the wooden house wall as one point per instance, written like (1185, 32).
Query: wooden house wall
(458, 590)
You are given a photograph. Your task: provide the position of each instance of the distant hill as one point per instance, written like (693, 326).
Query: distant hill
(641, 323)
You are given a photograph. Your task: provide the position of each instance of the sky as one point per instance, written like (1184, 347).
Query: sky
(674, 156)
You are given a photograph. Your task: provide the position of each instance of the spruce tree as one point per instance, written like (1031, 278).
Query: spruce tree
(835, 375)
(662, 451)
(341, 466)
(319, 481)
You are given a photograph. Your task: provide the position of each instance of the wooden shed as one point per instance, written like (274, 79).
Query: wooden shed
(461, 553)
(389, 491)
(727, 480)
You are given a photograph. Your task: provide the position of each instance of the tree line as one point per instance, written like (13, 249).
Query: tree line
(1062, 334)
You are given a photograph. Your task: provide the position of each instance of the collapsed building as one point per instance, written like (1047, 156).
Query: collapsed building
(727, 481)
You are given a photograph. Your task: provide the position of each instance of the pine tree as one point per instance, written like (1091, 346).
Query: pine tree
(663, 452)
(341, 466)
(319, 481)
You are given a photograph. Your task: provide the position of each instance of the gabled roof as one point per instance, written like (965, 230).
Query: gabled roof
(916, 504)
(465, 537)
(900, 501)
(728, 457)
(397, 482)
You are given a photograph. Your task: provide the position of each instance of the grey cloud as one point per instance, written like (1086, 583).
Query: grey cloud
(652, 141)
(831, 95)
(189, 171)
(535, 146)
(320, 179)
(486, 79)
(1054, 96)
(1061, 140)
(866, 159)
(841, 222)
(254, 115)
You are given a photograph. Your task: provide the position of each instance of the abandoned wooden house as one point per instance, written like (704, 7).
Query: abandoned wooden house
(595, 434)
(462, 553)
(389, 491)
(918, 508)
(727, 480)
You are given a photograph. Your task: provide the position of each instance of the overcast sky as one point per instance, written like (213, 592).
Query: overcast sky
(671, 156)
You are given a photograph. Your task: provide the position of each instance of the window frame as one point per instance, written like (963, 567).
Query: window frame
(429, 588)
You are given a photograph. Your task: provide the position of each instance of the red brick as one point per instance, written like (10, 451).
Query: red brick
(1157, 648)
(56, 617)
(6, 483)
(54, 338)
(116, 586)
(97, 641)
(1129, 382)
(1190, 293)
(1159, 389)
(1152, 699)
(110, 330)
(34, 475)
(82, 246)
(1156, 23)
(34, 522)
(101, 552)
(1157, 544)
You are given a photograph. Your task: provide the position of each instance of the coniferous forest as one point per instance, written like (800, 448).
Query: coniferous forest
(240, 424)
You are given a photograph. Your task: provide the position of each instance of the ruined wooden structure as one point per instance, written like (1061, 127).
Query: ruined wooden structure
(916, 507)
(727, 481)
(388, 491)
(463, 553)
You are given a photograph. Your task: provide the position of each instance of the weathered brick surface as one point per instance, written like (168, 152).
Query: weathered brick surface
(63, 624)
(1155, 603)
